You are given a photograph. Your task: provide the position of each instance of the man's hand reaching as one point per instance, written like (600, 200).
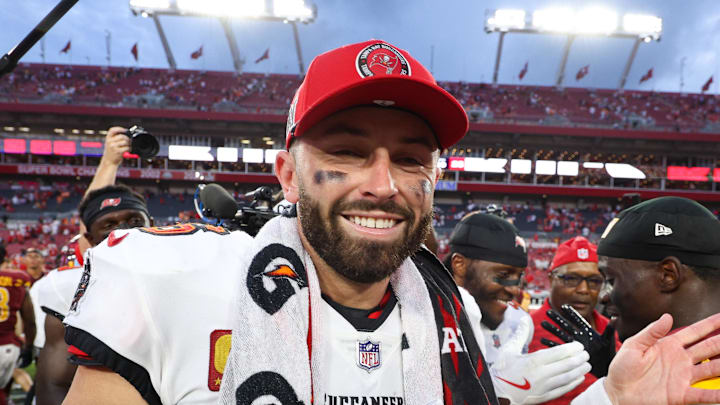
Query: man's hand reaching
(654, 369)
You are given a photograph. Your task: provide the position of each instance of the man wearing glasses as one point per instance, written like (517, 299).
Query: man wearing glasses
(575, 281)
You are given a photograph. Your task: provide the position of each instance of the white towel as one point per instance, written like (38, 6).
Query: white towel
(271, 355)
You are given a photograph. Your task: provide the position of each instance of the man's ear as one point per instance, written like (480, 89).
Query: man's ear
(285, 171)
(438, 175)
(670, 273)
(438, 170)
(458, 267)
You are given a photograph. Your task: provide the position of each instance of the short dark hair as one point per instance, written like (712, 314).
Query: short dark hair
(107, 189)
(32, 250)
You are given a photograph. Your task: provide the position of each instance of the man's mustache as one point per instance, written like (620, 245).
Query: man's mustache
(389, 206)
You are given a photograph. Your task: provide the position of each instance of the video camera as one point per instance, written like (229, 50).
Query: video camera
(216, 206)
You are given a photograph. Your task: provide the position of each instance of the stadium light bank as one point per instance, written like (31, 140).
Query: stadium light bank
(592, 21)
(286, 11)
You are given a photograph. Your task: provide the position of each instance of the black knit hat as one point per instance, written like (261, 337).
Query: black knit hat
(488, 237)
(662, 227)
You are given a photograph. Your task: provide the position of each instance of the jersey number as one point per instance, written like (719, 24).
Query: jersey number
(4, 307)
(184, 229)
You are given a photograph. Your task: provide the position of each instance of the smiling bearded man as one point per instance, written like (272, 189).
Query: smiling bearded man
(362, 261)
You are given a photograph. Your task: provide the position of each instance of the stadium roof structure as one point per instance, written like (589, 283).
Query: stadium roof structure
(592, 21)
(286, 11)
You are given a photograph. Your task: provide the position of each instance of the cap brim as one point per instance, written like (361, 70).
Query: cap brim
(490, 255)
(437, 107)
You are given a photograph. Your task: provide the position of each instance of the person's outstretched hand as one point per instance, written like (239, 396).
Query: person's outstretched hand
(654, 369)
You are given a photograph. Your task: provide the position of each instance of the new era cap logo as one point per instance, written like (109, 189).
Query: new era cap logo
(662, 230)
(609, 227)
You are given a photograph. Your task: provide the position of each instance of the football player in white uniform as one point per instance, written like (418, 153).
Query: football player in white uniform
(364, 134)
(102, 210)
(158, 358)
(488, 258)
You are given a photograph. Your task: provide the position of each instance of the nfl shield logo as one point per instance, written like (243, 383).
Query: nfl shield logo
(583, 253)
(496, 341)
(368, 355)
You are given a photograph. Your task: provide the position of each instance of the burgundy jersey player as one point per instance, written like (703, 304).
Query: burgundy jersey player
(13, 299)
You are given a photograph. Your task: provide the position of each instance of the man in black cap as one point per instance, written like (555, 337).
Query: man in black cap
(663, 256)
(488, 258)
(659, 257)
(102, 211)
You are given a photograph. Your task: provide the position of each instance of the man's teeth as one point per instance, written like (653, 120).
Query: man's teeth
(370, 222)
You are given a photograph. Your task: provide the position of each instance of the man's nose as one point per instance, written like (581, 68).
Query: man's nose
(379, 183)
(583, 287)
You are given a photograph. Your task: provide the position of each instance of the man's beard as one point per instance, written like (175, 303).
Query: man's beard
(360, 260)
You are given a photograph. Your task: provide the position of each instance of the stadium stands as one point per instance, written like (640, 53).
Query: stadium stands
(155, 88)
(45, 205)
(259, 93)
(579, 107)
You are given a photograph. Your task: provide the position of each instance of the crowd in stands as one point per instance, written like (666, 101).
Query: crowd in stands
(31, 195)
(536, 218)
(272, 94)
(578, 106)
(155, 88)
(48, 235)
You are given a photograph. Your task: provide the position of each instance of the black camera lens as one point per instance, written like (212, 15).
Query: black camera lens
(143, 143)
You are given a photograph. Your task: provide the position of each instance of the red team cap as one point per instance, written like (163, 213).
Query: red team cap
(374, 73)
(577, 249)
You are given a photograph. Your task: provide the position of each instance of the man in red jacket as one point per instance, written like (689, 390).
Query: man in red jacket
(575, 281)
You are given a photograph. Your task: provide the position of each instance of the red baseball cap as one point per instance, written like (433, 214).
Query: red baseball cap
(577, 249)
(374, 73)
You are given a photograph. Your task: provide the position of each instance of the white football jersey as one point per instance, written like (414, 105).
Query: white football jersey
(514, 334)
(154, 305)
(365, 367)
(52, 295)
